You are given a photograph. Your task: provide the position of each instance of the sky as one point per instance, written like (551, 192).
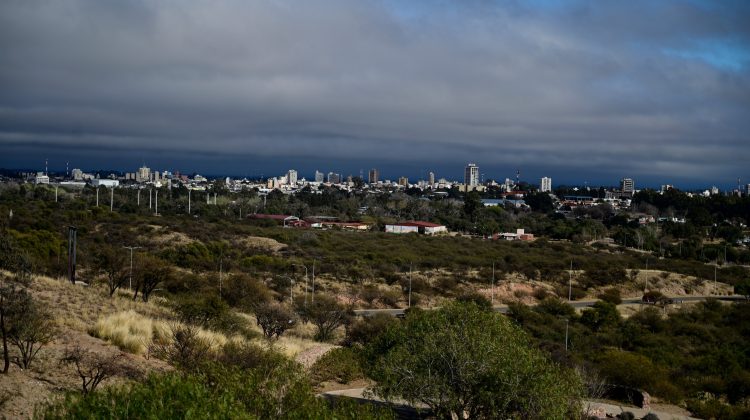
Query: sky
(581, 91)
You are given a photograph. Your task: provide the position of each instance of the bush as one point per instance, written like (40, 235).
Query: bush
(363, 330)
(480, 300)
(611, 295)
(340, 365)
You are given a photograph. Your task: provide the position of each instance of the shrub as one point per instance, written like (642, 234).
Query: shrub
(185, 349)
(480, 300)
(611, 295)
(274, 318)
(340, 365)
(363, 330)
(540, 293)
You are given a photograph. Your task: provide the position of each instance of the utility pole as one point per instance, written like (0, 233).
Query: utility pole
(149, 199)
(570, 282)
(97, 196)
(492, 286)
(215, 198)
(156, 203)
(111, 199)
(139, 197)
(131, 248)
(715, 267)
(313, 282)
(188, 200)
(56, 202)
(72, 239)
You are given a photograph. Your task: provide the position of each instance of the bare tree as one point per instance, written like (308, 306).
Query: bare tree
(12, 299)
(112, 264)
(151, 274)
(93, 368)
(185, 348)
(274, 319)
(32, 328)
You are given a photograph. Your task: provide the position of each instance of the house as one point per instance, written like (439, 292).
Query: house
(519, 235)
(425, 228)
(285, 220)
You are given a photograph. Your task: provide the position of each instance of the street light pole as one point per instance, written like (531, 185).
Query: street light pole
(492, 286)
(313, 282)
(570, 281)
(131, 248)
(188, 200)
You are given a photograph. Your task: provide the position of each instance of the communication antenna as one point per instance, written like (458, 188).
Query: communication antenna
(45, 167)
(518, 178)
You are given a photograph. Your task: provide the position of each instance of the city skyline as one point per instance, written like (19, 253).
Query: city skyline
(580, 90)
(543, 183)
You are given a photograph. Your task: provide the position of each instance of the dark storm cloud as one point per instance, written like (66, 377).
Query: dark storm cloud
(657, 88)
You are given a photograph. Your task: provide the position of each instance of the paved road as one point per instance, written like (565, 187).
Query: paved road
(405, 411)
(576, 304)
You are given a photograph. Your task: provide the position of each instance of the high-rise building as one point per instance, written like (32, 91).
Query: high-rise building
(334, 178)
(143, 174)
(77, 174)
(546, 185)
(373, 176)
(319, 176)
(627, 185)
(403, 181)
(471, 175)
(291, 177)
(431, 178)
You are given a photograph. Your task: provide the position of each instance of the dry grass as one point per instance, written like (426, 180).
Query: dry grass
(79, 307)
(134, 333)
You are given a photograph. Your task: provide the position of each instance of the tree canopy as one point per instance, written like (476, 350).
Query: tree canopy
(464, 362)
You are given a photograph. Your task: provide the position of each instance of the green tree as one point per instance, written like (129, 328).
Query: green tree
(464, 362)
(743, 287)
(326, 314)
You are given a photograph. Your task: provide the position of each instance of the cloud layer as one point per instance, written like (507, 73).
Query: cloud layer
(659, 89)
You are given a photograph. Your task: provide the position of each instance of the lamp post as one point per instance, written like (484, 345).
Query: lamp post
(570, 281)
(492, 286)
(313, 282)
(131, 248)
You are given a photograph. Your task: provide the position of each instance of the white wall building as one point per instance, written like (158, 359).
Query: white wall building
(291, 177)
(111, 183)
(546, 185)
(471, 175)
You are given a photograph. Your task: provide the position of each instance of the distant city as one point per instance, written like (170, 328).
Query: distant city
(290, 182)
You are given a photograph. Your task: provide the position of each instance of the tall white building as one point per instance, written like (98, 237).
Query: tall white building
(431, 178)
(627, 185)
(319, 176)
(546, 185)
(471, 175)
(143, 174)
(77, 174)
(291, 177)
